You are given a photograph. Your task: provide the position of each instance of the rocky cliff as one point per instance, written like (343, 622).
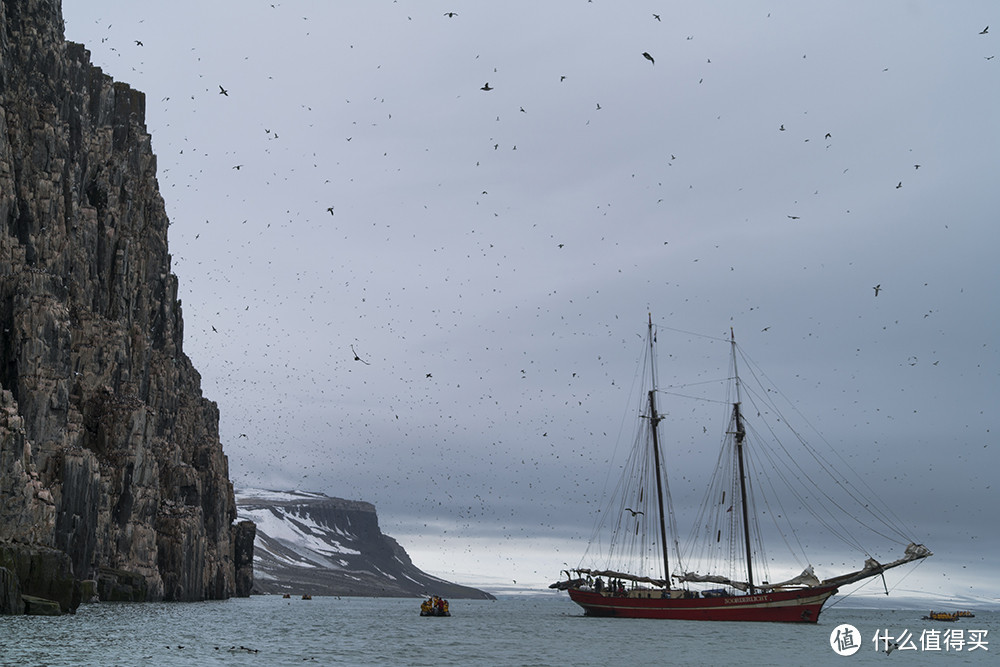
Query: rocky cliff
(109, 453)
(311, 543)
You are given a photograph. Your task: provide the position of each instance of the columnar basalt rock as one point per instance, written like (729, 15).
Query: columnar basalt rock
(109, 453)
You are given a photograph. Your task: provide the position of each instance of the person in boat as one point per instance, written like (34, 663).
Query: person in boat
(426, 606)
(598, 585)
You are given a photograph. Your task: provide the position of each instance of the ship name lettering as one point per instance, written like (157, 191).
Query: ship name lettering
(743, 599)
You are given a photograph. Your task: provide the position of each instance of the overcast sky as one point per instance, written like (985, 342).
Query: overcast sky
(490, 256)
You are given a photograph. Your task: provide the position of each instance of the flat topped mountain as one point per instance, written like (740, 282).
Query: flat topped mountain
(312, 543)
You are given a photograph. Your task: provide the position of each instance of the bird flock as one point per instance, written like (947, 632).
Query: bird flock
(414, 244)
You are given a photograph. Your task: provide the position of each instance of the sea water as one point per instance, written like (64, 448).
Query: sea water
(517, 630)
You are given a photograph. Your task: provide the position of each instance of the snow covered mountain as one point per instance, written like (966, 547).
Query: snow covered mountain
(312, 543)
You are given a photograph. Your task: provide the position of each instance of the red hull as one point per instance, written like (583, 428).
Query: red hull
(798, 606)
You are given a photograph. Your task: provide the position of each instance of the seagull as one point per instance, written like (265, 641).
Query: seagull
(223, 91)
(645, 54)
(634, 512)
(487, 86)
(357, 358)
(877, 288)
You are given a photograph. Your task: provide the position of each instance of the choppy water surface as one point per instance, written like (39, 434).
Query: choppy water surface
(511, 631)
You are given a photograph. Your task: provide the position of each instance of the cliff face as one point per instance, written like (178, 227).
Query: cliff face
(108, 450)
(311, 543)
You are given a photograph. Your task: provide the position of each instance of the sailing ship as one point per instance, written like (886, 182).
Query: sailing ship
(636, 580)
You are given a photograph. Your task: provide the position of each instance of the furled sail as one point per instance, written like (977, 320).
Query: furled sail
(807, 578)
(714, 579)
(621, 575)
(873, 567)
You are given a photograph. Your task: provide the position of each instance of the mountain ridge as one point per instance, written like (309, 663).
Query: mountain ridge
(311, 543)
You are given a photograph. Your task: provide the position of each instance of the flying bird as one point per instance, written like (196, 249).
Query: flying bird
(656, 16)
(357, 358)
(223, 91)
(877, 288)
(645, 54)
(330, 209)
(985, 30)
(451, 14)
(899, 185)
(138, 43)
(487, 86)
(634, 512)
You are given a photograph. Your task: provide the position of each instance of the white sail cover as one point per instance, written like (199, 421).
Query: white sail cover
(713, 579)
(621, 575)
(807, 578)
(873, 567)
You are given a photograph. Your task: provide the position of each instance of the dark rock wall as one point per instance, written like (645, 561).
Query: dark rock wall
(108, 450)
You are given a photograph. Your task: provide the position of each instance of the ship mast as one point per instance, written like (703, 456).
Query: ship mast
(740, 434)
(654, 421)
